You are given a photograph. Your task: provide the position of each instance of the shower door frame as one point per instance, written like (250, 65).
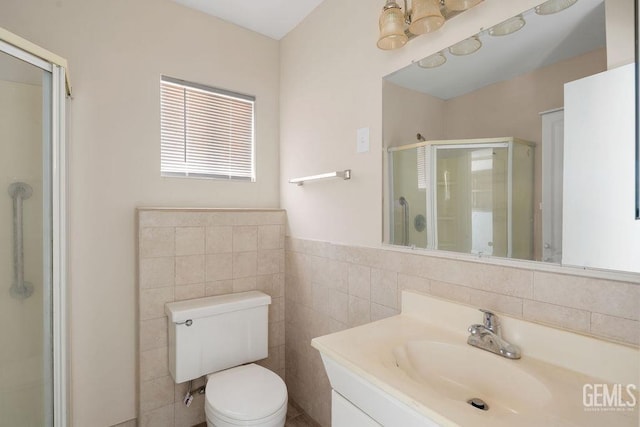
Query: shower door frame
(390, 153)
(432, 220)
(57, 167)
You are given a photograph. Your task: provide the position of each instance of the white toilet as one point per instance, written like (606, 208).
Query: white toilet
(217, 336)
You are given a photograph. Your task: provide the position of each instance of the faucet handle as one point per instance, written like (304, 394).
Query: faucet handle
(474, 329)
(490, 320)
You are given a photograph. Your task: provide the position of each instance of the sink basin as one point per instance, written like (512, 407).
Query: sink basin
(462, 372)
(417, 370)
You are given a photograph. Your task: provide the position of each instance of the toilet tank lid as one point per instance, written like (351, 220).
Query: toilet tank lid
(182, 311)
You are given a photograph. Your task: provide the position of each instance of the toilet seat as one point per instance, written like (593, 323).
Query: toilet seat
(245, 395)
(218, 420)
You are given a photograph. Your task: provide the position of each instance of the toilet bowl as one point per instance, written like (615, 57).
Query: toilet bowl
(219, 337)
(247, 395)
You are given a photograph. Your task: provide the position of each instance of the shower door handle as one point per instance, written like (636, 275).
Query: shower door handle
(405, 220)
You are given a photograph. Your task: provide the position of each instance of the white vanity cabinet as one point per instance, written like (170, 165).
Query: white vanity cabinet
(346, 414)
(356, 402)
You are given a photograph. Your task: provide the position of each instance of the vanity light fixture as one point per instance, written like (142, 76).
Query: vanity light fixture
(392, 34)
(460, 4)
(399, 25)
(553, 6)
(425, 16)
(432, 61)
(509, 26)
(466, 46)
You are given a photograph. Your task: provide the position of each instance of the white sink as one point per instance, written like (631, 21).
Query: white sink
(417, 370)
(462, 372)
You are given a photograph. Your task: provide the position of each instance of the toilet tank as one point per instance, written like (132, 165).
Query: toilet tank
(210, 334)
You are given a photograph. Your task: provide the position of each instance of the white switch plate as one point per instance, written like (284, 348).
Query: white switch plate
(363, 140)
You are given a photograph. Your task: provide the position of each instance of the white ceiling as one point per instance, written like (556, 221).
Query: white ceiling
(273, 18)
(543, 41)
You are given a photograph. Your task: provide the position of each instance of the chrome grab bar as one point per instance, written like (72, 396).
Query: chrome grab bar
(20, 289)
(405, 220)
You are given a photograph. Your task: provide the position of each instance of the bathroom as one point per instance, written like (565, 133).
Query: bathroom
(314, 88)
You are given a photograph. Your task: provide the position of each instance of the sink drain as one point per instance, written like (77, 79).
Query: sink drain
(476, 402)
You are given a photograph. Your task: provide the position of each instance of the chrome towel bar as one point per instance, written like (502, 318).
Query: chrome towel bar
(345, 174)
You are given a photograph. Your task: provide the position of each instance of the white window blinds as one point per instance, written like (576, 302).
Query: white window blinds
(206, 132)
(422, 167)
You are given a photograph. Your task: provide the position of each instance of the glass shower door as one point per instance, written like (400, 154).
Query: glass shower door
(471, 187)
(409, 192)
(26, 379)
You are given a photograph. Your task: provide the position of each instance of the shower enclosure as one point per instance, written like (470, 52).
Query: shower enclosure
(32, 350)
(471, 196)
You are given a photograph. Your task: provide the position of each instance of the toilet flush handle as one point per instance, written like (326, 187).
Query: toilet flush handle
(187, 322)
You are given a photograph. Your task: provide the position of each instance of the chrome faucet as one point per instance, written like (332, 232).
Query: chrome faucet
(489, 337)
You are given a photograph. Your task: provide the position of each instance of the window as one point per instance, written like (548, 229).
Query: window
(422, 167)
(206, 132)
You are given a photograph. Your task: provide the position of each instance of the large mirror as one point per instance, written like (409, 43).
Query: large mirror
(637, 42)
(474, 135)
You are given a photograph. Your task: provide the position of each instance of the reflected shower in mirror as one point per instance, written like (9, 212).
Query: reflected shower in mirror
(487, 180)
(472, 196)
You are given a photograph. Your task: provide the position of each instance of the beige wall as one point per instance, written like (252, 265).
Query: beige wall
(520, 101)
(117, 50)
(620, 35)
(184, 254)
(407, 112)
